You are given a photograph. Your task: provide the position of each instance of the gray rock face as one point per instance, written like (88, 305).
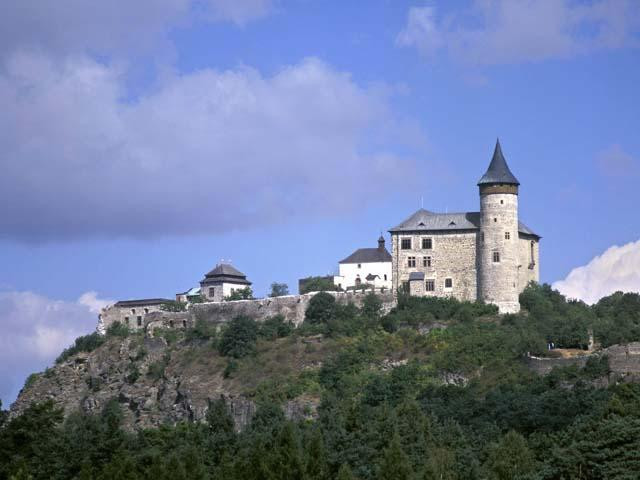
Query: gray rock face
(153, 383)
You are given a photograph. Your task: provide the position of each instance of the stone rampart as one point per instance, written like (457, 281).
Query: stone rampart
(291, 307)
(624, 360)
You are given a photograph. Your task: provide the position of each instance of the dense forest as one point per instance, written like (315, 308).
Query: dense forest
(495, 419)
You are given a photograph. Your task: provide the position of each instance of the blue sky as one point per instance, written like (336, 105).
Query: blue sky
(142, 144)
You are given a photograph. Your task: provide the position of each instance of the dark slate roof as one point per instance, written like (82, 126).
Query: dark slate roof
(498, 171)
(416, 276)
(225, 273)
(368, 255)
(225, 269)
(426, 221)
(142, 302)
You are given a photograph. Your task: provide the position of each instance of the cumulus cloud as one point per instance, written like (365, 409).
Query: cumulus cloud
(115, 26)
(617, 269)
(514, 31)
(35, 330)
(209, 151)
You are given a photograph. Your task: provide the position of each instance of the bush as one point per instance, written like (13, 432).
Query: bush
(117, 329)
(275, 327)
(174, 306)
(279, 289)
(86, 343)
(318, 284)
(202, 330)
(156, 369)
(240, 294)
(239, 337)
(31, 380)
(321, 309)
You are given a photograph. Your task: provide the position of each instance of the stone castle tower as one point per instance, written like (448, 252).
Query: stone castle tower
(498, 254)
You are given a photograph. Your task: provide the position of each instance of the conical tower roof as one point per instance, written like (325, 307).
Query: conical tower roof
(498, 171)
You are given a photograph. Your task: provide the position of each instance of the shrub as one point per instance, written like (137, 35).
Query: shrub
(239, 337)
(86, 343)
(279, 289)
(318, 284)
(321, 309)
(156, 369)
(117, 329)
(240, 294)
(31, 380)
(202, 330)
(275, 327)
(174, 306)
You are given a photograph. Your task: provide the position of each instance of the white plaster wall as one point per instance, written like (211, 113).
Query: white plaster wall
(350, 271)
(498, 282)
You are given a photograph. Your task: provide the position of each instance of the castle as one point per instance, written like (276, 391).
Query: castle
(487, 255)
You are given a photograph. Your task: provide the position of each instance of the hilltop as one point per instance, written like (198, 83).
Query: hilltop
(436, 388)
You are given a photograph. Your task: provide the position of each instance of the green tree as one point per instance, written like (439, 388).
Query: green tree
(395, 463)
(279, 289)
(510, 458)
(345, 473)
(321, 309)
(240, 294)
(316, 457)
(317, 284)
(239, 337)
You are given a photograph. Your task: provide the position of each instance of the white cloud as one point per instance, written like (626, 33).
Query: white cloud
(114, 26)
(210, 151)
(617, 269)
(514, 31)
(35, 330)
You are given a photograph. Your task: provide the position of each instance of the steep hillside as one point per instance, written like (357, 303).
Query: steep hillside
(434, 389)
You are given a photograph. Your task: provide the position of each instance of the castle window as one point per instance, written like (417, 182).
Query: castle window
(171, 323)
(507, 235)
(359, 265)
(448, 283)
(426, 261)
(482, 237)
(385, 277)
(358, 281)
(139, 320)
(211, 291)
(427, 244)
(495, 219)
(430, 285)
(405, 244)
(411, 261)
(184, 323)
(501, 202)
(146, 310)
(405, 287)
(496, 257)
(133, 311)
(126, 320)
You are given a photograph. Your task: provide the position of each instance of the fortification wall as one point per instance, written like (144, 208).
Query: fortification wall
(624, 360)
(292, 307)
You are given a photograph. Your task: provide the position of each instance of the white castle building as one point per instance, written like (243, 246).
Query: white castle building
(366, 266)
(487, 255)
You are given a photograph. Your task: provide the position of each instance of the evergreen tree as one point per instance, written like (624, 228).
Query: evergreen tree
(395, 463)
(510, 458)
(316, 457)
(345, 473)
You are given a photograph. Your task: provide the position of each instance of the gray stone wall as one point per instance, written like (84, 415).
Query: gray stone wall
(292, 307)
(498, 281)
(528, 265)
(133, 317)
(453, 255)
